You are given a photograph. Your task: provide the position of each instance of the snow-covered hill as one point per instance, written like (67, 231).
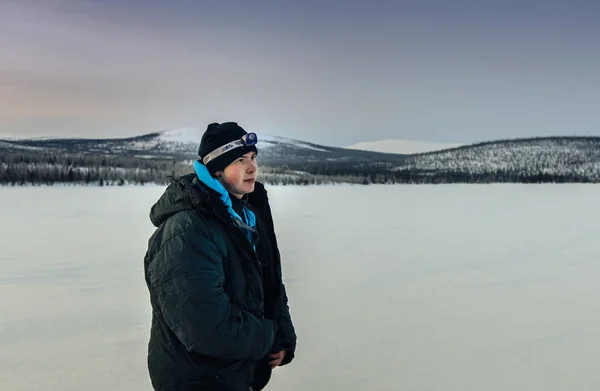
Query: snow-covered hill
(192, 136)
(565, 157)
(271, 148)
(183, 143)
(401, 146)
(534, 159)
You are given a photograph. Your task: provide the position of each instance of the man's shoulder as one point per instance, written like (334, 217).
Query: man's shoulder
(186, 223)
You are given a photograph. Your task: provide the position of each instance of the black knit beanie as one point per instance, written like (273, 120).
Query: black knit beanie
(217, 135)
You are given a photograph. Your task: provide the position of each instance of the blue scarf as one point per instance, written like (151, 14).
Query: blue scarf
(249, 219)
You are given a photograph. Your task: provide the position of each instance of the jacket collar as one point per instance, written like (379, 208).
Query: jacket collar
(215, 190)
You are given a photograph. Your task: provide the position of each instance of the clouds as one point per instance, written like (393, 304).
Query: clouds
(314, 70)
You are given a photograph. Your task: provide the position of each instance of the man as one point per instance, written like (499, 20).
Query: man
(220, 317)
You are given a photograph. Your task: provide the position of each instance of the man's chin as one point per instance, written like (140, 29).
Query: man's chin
(248, 186)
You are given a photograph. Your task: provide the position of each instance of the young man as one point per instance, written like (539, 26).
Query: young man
(220, 318)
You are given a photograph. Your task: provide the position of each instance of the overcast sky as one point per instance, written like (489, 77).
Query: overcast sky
(335, 73)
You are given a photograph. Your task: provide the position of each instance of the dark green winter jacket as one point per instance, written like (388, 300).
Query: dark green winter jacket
(219, 306)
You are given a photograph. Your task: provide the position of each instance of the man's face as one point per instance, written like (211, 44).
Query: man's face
(239, 177)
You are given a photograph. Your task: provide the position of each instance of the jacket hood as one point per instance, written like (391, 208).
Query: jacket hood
(175, 199)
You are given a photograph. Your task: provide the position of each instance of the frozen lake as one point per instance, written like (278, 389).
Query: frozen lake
(450, 288)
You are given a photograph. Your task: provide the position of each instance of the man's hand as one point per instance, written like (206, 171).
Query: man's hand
(276, 358)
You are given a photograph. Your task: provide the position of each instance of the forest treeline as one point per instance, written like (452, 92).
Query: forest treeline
(35, 168)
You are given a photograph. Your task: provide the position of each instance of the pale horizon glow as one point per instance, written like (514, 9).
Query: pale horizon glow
(401, 146)
(335, 73)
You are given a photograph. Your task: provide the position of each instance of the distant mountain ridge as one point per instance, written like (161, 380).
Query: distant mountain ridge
(156, 155)
(183, 144)
(402, 146)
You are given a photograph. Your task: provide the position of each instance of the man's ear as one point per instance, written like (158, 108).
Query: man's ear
(218, 174)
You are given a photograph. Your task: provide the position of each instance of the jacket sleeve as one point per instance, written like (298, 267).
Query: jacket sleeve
(285, 339)
(195, 306)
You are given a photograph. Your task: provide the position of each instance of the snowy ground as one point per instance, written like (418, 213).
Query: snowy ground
(391, 287)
